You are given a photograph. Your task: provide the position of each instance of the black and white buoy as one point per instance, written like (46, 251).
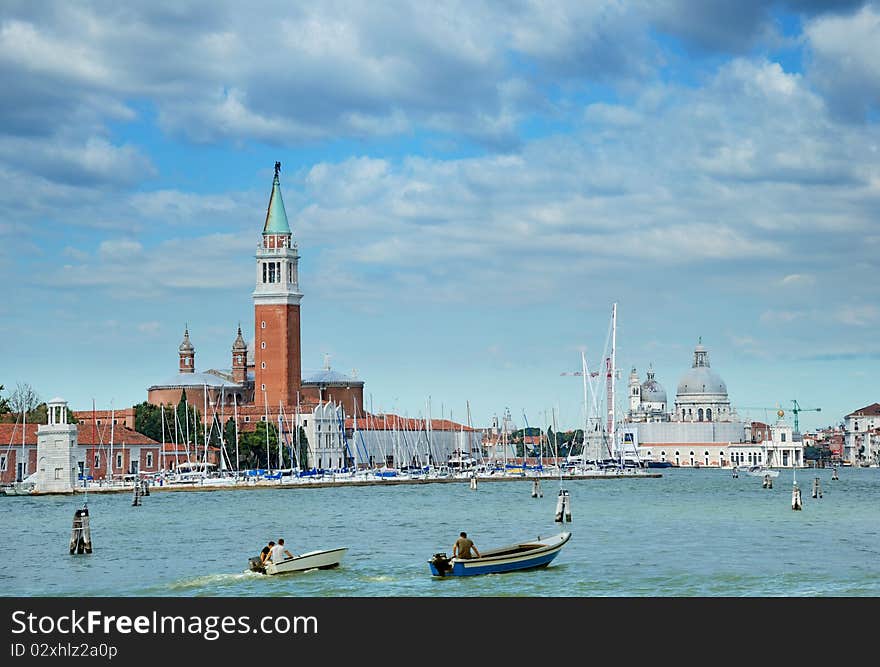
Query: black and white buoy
(817, 488)
(563, 506)
(536, 489)
(735, 473)
(81, 536)
(796, 502)
(768, 482)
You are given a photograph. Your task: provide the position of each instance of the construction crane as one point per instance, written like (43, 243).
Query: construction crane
(797, 409)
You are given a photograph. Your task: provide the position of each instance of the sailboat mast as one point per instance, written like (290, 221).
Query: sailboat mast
(235, 419)
(268, 462)
(586, 408)
(112, 424)
(162, 422)
(280, 438)
(613, 378)
(205, 427)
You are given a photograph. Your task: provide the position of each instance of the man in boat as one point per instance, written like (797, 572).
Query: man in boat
(266, 552)
(279, 552)
(463, 547)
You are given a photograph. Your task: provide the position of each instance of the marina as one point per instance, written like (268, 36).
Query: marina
(691, 532)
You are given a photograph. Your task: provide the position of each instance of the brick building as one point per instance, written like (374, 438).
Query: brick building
(266, 374)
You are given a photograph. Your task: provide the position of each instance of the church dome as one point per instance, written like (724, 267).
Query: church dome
(653, 391)
(701, 379)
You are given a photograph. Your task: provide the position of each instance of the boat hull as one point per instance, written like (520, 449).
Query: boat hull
(321, 560)
(523, 556)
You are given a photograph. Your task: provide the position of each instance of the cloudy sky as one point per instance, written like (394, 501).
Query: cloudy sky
(472, 185)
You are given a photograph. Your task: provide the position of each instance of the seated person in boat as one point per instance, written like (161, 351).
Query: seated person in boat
(279, 552)
(266, 552)
(463, 547)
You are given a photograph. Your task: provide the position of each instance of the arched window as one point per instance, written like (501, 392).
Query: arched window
(708, 414)
(700, 414)
(692, 459)
(706, 458)
(662, 456)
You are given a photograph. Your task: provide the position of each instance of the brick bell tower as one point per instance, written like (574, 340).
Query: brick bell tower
(277, 370)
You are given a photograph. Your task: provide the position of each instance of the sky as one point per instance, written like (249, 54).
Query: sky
(471, 185)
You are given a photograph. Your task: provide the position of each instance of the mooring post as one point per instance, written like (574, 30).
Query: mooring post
(796, 502)
(563, 506)
(81, 536)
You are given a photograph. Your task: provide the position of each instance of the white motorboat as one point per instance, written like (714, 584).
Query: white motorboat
(761, 471)
(321, 560)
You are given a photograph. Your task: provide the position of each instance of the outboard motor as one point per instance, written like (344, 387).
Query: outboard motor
(256, 565)
(441, 563)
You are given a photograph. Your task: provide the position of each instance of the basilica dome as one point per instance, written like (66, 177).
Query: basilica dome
(701, 379)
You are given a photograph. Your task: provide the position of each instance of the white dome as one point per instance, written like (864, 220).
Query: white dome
(701, 380)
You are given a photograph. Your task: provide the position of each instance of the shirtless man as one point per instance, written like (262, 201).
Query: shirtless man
(463, 547)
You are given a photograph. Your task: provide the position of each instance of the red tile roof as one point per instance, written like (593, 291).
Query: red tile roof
(87, 434)
(872, 410)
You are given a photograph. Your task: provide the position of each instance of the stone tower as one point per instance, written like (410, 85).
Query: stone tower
(277, 370)
(635, 392)
(56, 451)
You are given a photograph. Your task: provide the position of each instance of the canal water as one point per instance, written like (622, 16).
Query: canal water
(689, 533)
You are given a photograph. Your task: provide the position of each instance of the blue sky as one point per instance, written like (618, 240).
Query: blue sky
(471, 186)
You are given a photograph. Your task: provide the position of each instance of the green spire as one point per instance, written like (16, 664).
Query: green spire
(276, 216)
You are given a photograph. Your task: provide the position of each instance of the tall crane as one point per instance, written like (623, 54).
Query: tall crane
(798, 409)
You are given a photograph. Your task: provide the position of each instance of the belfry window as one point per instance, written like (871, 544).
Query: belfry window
(264, 272)
(271, 272)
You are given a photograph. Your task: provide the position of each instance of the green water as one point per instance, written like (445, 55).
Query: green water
(689, 533)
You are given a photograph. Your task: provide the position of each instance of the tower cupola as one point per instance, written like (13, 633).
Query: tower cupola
(239, 358)
(187, 354)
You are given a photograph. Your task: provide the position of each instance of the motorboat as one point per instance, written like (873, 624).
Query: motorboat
(321, 560)
(761, 471)
(526, 555)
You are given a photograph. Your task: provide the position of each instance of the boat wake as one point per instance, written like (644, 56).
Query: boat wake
(214, 580)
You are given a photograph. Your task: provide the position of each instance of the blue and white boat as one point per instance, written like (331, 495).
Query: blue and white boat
(522, 556)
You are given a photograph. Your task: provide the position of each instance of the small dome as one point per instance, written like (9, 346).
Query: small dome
(186, 345)
(653, 391)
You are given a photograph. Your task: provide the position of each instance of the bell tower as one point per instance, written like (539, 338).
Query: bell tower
(239, 359)
(187, 354)
(277, 370)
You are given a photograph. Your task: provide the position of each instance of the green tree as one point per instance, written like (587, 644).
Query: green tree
(254, 448)
(148, 420)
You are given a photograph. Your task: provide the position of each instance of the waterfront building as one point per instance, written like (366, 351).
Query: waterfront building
(862, 436)
(96, 454)
(701, 428)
